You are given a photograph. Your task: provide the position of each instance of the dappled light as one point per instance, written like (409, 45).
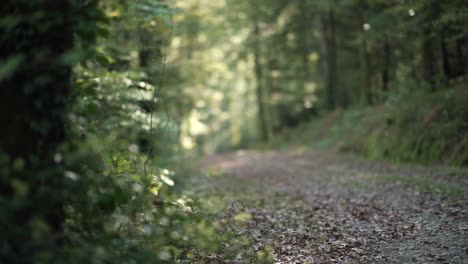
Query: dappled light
(233, 131)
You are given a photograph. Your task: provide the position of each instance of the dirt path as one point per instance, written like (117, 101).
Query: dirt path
(318, 207)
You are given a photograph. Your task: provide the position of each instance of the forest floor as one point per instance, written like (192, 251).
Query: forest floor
(313, 206)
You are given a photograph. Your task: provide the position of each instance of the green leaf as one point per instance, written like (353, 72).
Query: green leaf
(9, 66)
(73, 56)
(102, 59)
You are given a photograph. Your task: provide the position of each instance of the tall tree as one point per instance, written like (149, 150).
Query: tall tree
(366, 94)
(328, 22)
(260, 90)
(35, 95)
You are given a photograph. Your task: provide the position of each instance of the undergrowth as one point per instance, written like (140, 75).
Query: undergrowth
(413, 125)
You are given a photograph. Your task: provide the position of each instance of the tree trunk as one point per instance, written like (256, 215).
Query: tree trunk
(304, 43)
(366, 94)
(262, 113)
(272, 121)
(429, 58)
(330, 62)
(386, 65)
(144, 53)
(365, 73)
(33, 103)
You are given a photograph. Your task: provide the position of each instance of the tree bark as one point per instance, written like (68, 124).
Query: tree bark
(144, 53)
(260, 91)
(304, 43)
(386, 65)
(330, 62)
(429, 58)
(33, 107)
(366, 93)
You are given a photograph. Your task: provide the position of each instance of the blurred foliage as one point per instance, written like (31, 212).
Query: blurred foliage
(301, 59)
(104, 189)
(414, 125)
(100, 100)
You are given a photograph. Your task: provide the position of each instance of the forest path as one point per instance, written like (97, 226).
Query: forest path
(322, 207)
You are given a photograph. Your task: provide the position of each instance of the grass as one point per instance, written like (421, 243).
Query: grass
(455, 171)
(446, 189)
